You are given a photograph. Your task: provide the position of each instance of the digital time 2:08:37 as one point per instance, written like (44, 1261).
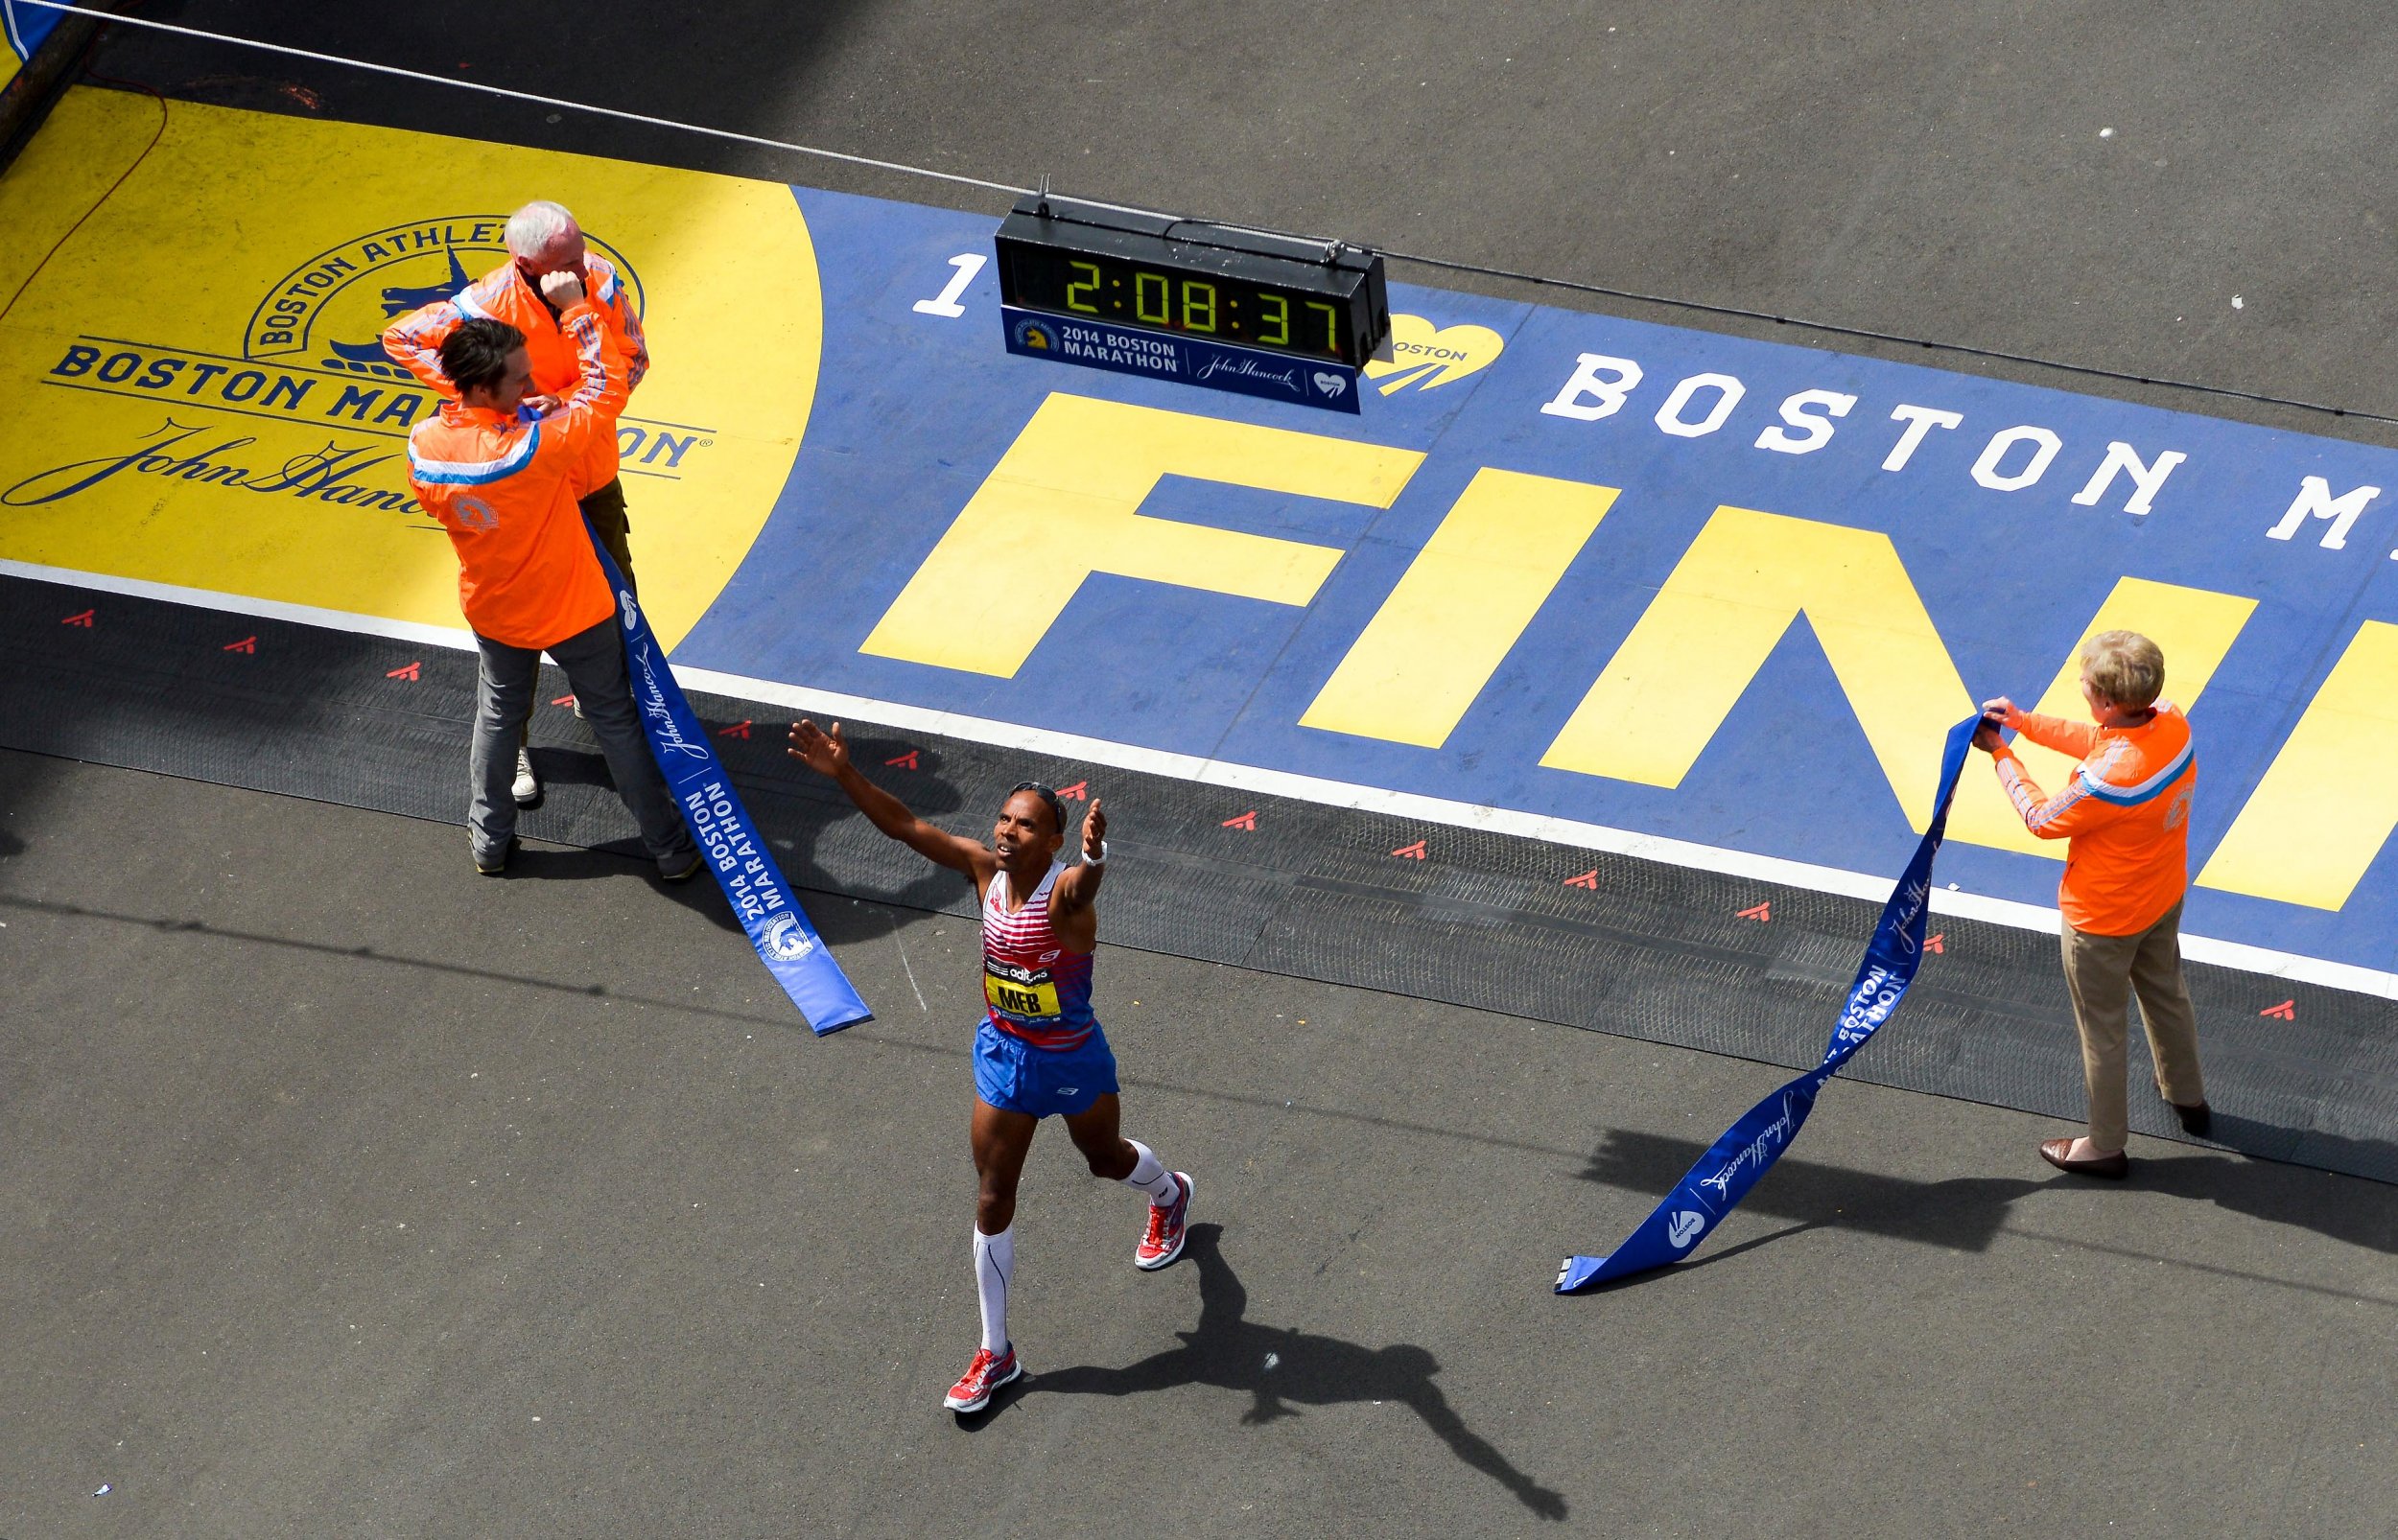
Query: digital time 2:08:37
(1229, 310)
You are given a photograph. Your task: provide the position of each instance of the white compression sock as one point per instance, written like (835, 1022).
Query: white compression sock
(995, 1263)
(1150, 1176)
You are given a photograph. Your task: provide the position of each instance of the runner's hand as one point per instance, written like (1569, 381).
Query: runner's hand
(541, 406)
(1986, 738)
(1094, 831)
(1998, 706)
(825, 753)
(564, 289)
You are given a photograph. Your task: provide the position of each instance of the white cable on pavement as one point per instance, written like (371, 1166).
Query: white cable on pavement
(521, 96)
(1704, 307)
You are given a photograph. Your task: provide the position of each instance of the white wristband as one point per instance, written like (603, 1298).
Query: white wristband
(1101, 859)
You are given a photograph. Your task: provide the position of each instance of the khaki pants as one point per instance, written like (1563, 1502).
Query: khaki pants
(2102, 972)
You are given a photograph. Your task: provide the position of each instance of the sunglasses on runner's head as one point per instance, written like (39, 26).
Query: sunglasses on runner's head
(1057, 812)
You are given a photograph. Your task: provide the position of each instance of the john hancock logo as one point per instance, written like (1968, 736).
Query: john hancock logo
(311, 358)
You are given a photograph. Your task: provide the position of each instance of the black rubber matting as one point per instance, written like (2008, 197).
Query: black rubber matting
(1644, 950)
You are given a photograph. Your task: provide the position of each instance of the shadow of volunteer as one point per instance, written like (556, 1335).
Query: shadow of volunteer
(1279, 1366)
(543, 240)
(1958, 1213)
(502, 479)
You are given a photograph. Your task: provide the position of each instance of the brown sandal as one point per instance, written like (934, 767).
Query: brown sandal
(2058, 1153)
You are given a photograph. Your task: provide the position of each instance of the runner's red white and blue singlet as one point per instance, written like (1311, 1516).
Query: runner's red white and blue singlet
(1036, 990)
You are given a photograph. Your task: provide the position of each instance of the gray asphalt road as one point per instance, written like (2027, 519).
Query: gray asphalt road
(329, 1168)
(351, 1194)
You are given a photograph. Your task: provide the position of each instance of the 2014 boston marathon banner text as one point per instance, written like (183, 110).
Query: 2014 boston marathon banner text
(744, 867)
(1748, 1150)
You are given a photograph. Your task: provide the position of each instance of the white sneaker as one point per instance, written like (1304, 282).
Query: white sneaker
(528, 788)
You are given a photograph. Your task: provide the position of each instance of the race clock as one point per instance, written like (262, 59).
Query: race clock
(1315, 300)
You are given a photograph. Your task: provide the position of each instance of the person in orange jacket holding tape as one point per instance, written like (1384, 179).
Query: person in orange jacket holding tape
(2125, 814)
(542, 239)
(503, 477)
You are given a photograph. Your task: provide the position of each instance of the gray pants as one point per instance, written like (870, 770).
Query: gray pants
(604, 511)
(594, 660)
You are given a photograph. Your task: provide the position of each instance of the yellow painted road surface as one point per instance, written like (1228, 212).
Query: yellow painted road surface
(193, 393)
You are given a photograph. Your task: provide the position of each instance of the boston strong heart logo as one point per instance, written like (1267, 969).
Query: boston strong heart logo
(1428, 358)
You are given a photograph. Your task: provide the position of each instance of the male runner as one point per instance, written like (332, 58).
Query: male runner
(1039, 1050)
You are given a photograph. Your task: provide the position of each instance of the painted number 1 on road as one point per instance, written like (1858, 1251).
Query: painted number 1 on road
(945, 303)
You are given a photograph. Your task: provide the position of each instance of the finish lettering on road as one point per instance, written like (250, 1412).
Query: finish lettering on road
(1063, 502)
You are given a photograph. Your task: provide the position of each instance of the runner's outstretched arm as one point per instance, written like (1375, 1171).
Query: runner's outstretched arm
(1080, 884)
(827, 752)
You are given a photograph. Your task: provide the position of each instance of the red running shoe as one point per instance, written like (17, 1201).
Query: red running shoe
(1165, 1241)
(985, 1375)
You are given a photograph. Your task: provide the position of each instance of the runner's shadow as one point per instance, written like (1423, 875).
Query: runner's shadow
(1285, 1368)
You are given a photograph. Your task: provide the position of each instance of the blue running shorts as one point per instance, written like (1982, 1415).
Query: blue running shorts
(1014, 1076)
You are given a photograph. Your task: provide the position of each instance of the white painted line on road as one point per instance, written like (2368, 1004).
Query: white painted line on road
(1210, 772)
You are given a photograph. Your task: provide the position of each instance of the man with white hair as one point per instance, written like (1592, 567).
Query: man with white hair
(542, 238)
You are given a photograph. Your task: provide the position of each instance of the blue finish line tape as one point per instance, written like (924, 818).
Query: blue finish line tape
(744, 867)
(1714, 1188)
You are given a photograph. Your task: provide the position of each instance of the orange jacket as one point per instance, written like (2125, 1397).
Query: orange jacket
(505, 489)
(2124, 813)
(413, 341)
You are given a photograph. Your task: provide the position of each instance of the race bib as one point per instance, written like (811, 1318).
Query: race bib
(1026, 992)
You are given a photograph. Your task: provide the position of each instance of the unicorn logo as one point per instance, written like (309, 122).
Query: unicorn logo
(398, 299)
(330, 310)
(783, 941)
